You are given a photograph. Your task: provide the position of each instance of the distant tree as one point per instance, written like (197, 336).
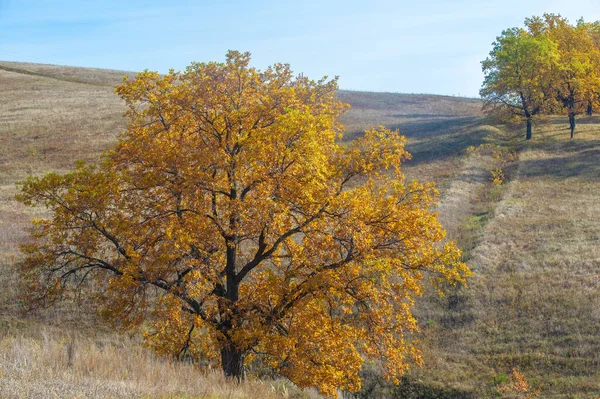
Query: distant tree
(229, 225)
(515, 84)
(575, 76)
(593, 29)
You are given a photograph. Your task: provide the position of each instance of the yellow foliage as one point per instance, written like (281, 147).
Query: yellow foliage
(497, 176)
(228, 223)
(519, 387)
(500, 158)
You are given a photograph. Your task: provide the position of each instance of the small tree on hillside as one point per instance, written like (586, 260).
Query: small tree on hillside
(515, 84)
(227, 224)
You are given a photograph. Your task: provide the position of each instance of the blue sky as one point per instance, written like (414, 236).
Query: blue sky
(398, 46)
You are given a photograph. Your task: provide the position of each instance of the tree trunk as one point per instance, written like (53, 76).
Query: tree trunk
(232, 362)
(528, 136)
(572, 124)
(232, 359)
(590, 109)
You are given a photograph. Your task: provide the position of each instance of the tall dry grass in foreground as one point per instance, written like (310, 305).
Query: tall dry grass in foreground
(59, 365)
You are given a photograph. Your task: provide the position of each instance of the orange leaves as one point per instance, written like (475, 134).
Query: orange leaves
(181, 335)
(377, 151)
(519, 387)
(228, 219)
(317, 351)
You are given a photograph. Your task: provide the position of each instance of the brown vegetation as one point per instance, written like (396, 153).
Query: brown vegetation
(66, 364)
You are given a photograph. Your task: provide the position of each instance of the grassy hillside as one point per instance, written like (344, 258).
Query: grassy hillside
(533, 242)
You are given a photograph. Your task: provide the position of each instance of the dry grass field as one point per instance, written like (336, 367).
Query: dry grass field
(58, 364)
(533, 243)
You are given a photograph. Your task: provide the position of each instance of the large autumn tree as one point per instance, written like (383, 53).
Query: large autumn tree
(229, 226)
(516, 84)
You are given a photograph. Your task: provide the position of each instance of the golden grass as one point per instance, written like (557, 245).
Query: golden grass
(67, 365)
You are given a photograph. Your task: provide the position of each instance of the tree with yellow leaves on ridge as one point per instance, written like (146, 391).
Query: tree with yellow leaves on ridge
(575, 75)
(516, 85)
(593, 30)
(229, 226)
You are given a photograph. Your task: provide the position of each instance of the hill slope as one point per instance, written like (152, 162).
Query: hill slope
(534, 301)
(533, 243)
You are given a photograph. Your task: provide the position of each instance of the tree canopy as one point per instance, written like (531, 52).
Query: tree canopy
(516, 70)
(229, 226)
(549, 67)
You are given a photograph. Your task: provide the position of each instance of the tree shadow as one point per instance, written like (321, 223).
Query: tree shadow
(581, 120)
(427, 116)
(584, 164)
(437, 138)
(427, 127)
(414, 126)
(440, 140)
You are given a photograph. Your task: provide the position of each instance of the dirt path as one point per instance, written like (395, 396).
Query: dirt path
(457, 203)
